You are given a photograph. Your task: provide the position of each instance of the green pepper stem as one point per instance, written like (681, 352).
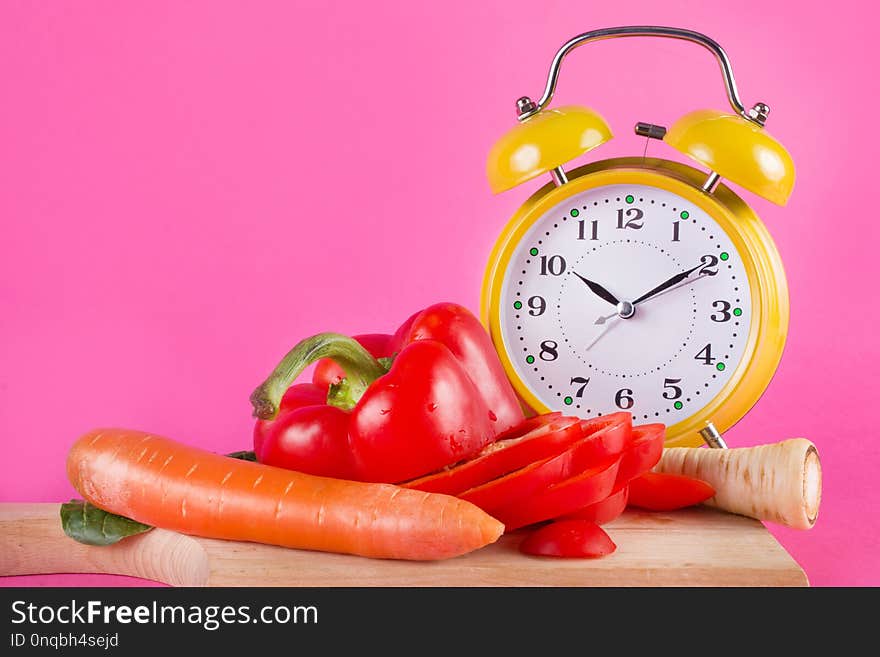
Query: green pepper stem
(361, 369)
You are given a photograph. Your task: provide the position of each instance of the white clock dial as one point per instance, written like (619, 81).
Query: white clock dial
(661, 355)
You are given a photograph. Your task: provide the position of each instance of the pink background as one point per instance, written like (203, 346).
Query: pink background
(188, 188)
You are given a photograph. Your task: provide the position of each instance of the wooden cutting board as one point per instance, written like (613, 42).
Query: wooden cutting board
(692, 547)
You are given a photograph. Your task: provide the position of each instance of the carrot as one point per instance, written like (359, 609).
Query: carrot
(779, 482)
(161, 482)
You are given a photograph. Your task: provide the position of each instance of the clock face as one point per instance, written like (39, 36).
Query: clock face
(625, 297)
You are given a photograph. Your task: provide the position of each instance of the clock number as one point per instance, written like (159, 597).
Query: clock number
(705, 355)
(672, 391)
(594, 230)
(555, 265)
(675, 231)
(709, 262)
(537, 306)
(549, 347)
(722, 315)
(576, 380)
(635, 222)
(624, 399)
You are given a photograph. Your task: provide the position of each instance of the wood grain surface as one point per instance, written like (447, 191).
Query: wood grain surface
(692, 547)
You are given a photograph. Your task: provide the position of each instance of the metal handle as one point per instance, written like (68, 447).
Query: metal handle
(758, 114)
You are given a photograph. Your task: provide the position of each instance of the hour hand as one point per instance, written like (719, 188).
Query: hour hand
(598, 290)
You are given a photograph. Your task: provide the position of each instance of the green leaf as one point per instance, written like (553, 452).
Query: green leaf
(243, 456)
(88, 524)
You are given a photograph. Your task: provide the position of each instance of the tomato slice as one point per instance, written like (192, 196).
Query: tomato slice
(657, 491)
(603, 511)
(568, 538)
(502, 457)
(587, 487)
(605, 438)
(643, 453)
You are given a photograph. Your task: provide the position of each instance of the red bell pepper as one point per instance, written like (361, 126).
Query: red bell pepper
(662, 491)
(502, 457)
(305, 435)
(587, 487)
(460, 330)
(530, 424)
(600, 436)
(609, 435)
(643, 453)
(568, 538)
(603, 511)
(424, 413)
(328, 373)
(525, 482)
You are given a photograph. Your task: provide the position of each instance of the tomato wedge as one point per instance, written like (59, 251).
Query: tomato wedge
(603, 511)
(643, 452)
(504, 456)
(585, 488)
(568, 538)
(657, 491)
(605, 438)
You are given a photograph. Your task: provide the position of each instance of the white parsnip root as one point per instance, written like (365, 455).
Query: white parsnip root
(778, 482)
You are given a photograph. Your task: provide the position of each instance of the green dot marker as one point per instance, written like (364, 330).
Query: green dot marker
(530, 359)
(533, 251)
(575, 213)
(737, 311)
(684, 214)
(678, 405)
(725, 255)
(720, 367)
(517, 304)
(568, 401)
(630, 198)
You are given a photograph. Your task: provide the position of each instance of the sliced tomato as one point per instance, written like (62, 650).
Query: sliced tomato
(502, 457)
(605, 438)
(585, 488)
(603, 511)
(658, 491)
(643, 453)
(568, 538)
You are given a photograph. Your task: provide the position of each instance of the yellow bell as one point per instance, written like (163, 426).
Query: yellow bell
(737, 149)
(543, 142)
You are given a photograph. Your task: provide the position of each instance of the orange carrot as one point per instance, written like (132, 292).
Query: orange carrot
(161, 482)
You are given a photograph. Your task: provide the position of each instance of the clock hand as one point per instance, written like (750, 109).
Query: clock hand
(604, 318)
(603, 331)
(681, 284)
(665, 285)
(598, 290)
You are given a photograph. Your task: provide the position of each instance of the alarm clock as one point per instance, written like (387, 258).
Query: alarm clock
(639, 284)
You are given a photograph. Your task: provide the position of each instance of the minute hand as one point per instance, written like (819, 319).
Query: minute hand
(678, 278)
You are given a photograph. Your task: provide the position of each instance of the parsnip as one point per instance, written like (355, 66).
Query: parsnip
(779, 482)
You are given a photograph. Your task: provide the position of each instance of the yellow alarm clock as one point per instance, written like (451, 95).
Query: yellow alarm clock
(639, 284)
